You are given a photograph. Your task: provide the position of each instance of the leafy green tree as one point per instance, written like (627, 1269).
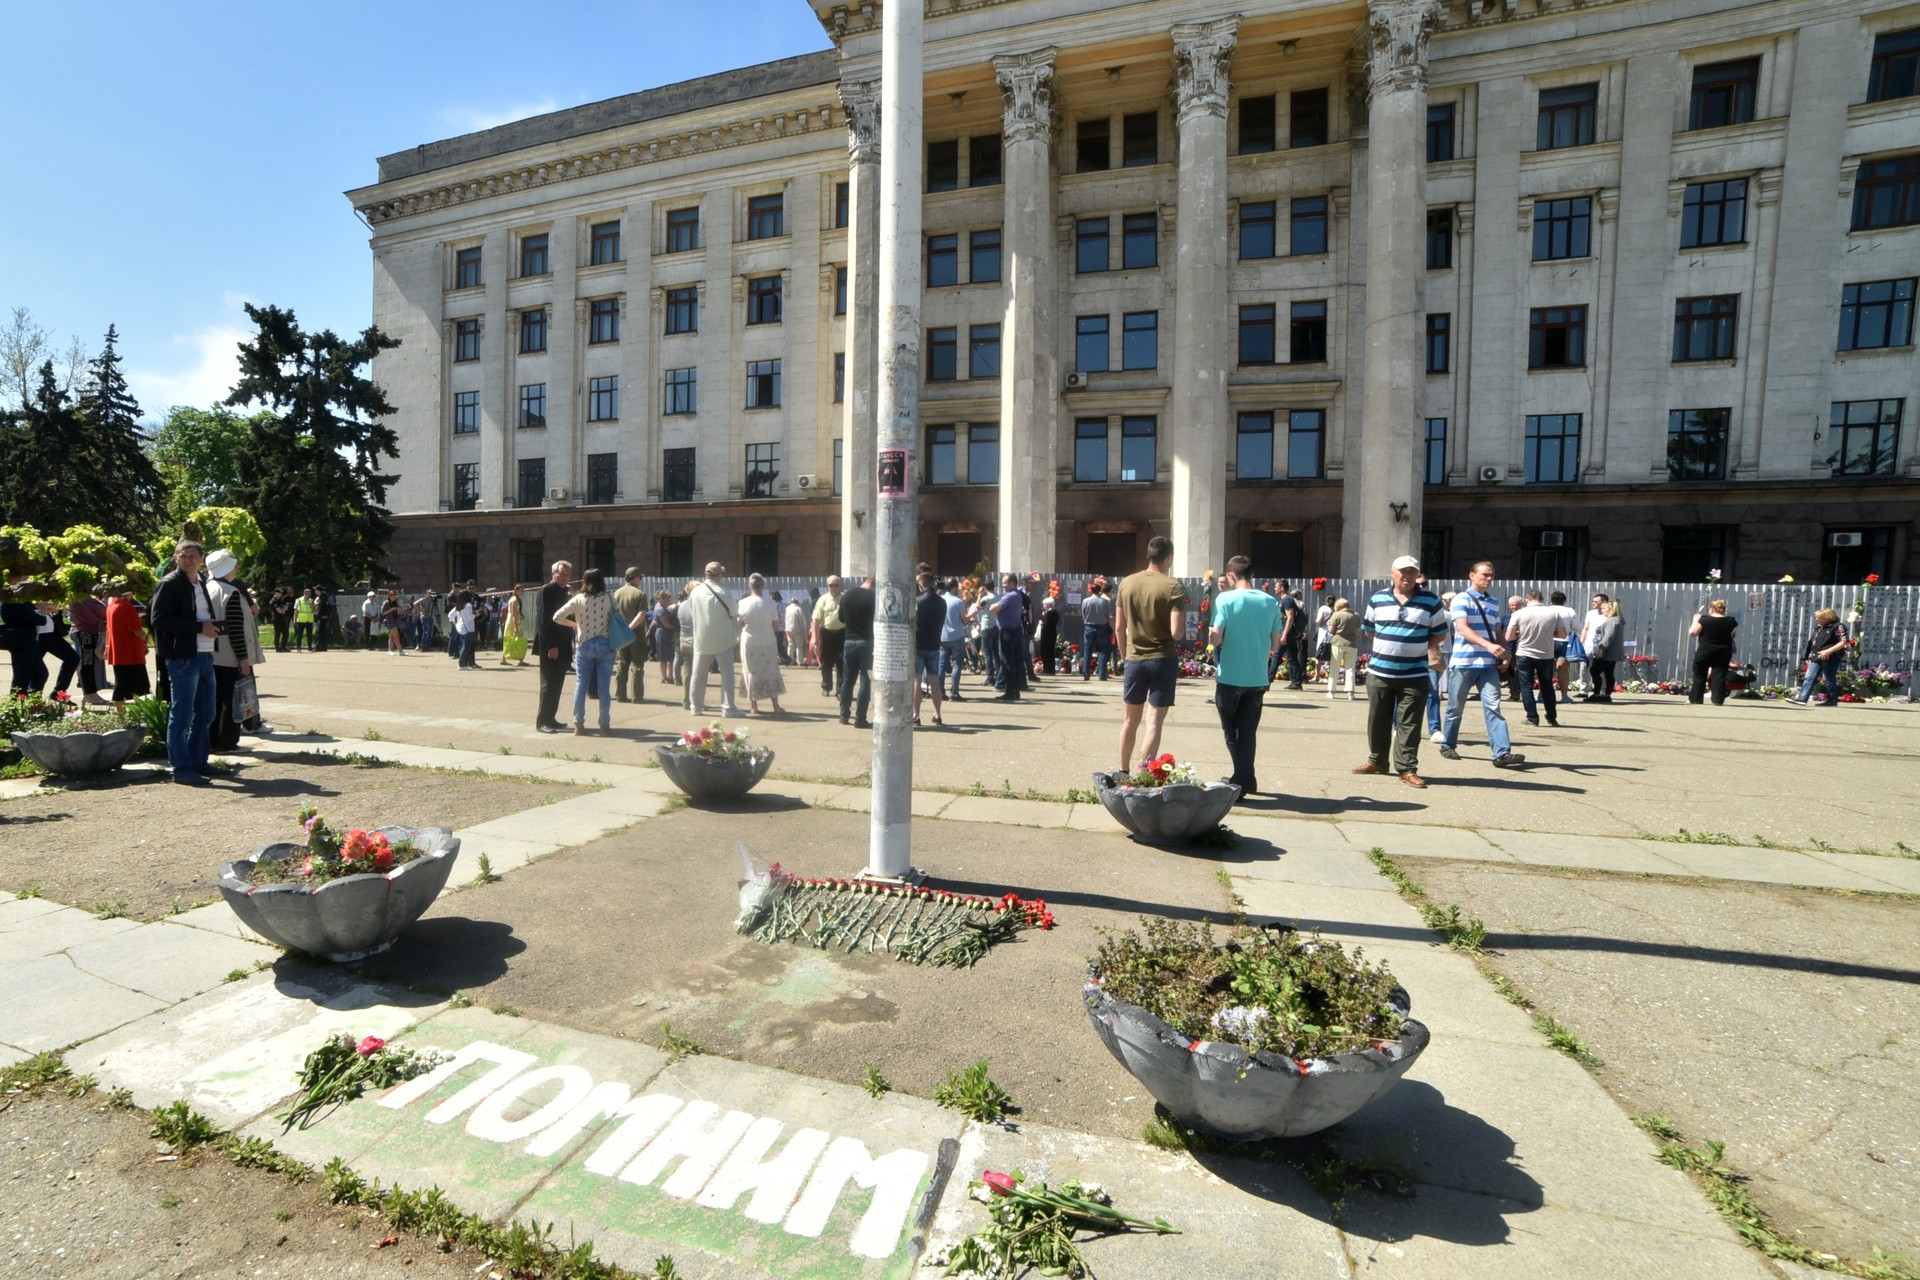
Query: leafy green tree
(198, 454)
(310, 471)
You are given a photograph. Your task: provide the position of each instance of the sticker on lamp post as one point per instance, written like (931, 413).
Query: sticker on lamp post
(893, 473)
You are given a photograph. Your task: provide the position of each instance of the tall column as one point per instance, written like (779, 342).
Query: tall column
(859, 430)
(1202, 52)
(1384, 475)
(1029, 344)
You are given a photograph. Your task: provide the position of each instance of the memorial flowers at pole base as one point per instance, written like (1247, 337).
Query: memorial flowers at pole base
(343, 1069)
(914, 924)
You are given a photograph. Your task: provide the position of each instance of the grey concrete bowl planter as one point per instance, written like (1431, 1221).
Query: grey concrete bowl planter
(345, 919)
(1224, 1090)
(80, 755)
(1167, 814)
(710, 781)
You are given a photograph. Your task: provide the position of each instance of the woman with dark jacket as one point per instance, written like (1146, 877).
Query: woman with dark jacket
(1714, 652)
(1825, 649)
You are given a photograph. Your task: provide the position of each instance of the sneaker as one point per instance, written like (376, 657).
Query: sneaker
(1448, 753)
(733, 713)
(186, 779)
(1511, 760)
(1533, 723)
(1439, 739)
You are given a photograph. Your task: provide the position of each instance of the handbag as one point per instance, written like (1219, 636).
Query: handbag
(246, 700)
(1576, 649)
(618, 631)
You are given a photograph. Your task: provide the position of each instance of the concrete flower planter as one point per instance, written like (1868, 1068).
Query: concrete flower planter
(1226, 1090)
(79, 755)
(1166, 814)
(709, 781)
(345, 919)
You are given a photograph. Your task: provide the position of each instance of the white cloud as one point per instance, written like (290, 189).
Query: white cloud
(476, 119)
(203, 367)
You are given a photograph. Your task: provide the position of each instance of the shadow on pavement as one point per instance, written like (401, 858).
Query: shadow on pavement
(451, 953)
(1705, 955)
(1077, 898)
(1324, 806)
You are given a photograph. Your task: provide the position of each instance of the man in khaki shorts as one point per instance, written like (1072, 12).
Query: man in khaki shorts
(1148, 620)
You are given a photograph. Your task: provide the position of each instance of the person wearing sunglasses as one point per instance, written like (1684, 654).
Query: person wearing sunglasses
(1405, 623)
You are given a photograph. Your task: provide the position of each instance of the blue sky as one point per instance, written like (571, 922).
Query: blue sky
(171, 160)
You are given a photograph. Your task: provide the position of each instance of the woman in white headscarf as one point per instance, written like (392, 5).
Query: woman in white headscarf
(760, 647)
(236, 651)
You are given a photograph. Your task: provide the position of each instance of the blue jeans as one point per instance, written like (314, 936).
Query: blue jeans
(1239, 706)
(593, 670)
(954, 654)
(190, 714)
(1464, 680)
(1541, 669)
(1098, 646)
(1015, 667)
(466, 649)
(1433, 701)
(1827, 669)
(856, 672)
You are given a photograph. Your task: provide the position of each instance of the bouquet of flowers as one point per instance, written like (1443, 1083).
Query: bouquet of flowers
(1162, 771)
(343, 1069)
(332, 854)
(716, 743)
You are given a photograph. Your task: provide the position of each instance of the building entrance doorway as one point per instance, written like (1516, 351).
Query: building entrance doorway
(956, 554)
(1276, 553)
(1113, 554)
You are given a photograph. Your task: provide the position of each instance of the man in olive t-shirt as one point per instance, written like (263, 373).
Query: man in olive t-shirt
(1148, 621)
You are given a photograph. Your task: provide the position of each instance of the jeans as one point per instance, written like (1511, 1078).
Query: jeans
(1393, 722)
(302, 636)
(1541, 669)
(1462, 681)
(466, 649)
(954, 654)
(1099, 646)
(856, 657)
(190, 714)
(592, 670)
(1014, 664)
(1433, 700)
(1827, 669)
(990, 652)
(1239, 706)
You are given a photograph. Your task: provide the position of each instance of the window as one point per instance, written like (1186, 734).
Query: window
(943, 260)
(766, 217)
(1561, 228)
(682, 392)
(1703, 328)
(597, 553)
(1140, 139)
(839, 377)
(1436, 452)
(533, 256)
(983, 351)
(983, 256)
(943, 345)
(1895, 71)
(842, 204)
(1306, 443)
(1688, 553)
(676, 554)
(533, 487)
(605, 244)
(1256, 334)
(1308, 119)
(1439, 239)
(1139, 241)
(683, 310)
(676, 483)
(603, 399)
(683, 230)
(466, 340)
(1566, 116)
(1439, 326)
(1439, 132)
(943, 165)
(942, 456)
(840, 290)
(763, 384)
(533, 331)
(760, 553)
(466, 486)
(1307, 336)
(1257, 133)
(1090, 244)
(533, 406)
(1140, 340)
(1723, 93)
(466, 412)
(463, 561)
(603, 320)
(1697, 444)
(1093, 146)
(1876, 314)
(1550, 553)
(1090, 344)
(1557, 338)
(1887, 193)
(1865, 435)
(763, 469)
(529, 561)
(839, 452)
(1309, 231)
(1256, 229)
(983, 160)
(1848, 555)
(1713, 213)
(763, 300)
(1090, 451)
(983, 453)
(1253, 453)
(1553, 448)
(466, 268)
(603, 479)
(1138, 437)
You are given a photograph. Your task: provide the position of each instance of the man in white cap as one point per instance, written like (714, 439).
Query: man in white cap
(1406, 622)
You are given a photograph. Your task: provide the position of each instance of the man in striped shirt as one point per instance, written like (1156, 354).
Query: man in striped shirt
(1406, 623)
(1478, 657)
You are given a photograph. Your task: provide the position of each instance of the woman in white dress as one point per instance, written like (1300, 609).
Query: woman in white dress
(759, 649)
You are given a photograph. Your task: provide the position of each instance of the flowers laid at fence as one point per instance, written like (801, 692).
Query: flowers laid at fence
(914, 924)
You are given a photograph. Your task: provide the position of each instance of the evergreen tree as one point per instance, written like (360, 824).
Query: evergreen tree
(112, 451)
(310, 469)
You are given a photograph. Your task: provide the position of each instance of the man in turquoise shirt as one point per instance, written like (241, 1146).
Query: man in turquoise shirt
(1244, 634)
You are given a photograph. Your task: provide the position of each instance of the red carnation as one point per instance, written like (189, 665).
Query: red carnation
(1873, 580)
(370, 1046)
(1001, 1183)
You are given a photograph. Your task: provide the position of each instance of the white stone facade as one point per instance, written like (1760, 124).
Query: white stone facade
(1558, 270)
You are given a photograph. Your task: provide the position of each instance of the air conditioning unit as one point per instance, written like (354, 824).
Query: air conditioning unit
(808, 482)
(1076, 381)
(1489, 475)
(1843, 539)
(1553, 538)
(556, 495)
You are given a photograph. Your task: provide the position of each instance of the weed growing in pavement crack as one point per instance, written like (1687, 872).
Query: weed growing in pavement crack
(1700, 837)
(483, 871)
(119, 1099)
(975, 1096)
(1657, 1125)
(1468, 935)
(235, 975)
(978, 788)
(371, 735)
(504, 750)
(115, 910)
(1076, 795)
(181, 1127)
(1006, 789)
(459, 1000)
(677, 1046)
(171, 1202)
(876, 1084)
(1565, 1041)
(507, 1011)
(31, 891)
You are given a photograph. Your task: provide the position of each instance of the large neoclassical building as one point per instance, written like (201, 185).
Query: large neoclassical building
(1595, 288)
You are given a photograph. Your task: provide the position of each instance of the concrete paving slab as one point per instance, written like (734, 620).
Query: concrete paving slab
(1451, 997)
(1900, 875)
(1594, 853)
(48, 1003)
(853, 799)
(810, 793)
(629, 802)
(49, 932)
(216, 917)
(1294, 835)
(1256, 858)
(556, 825)
(10, 1054)
(15, 788)
(587, 773)
(1769, 866)
(167, 961)
(1093, 817)
(16, 911)
(1012, 813)
(1410, 841)
(931, 804)
(1370, 917)
(503, 855)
